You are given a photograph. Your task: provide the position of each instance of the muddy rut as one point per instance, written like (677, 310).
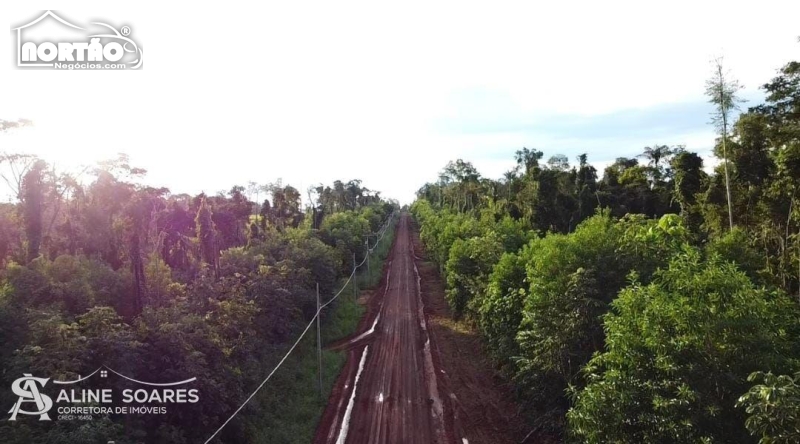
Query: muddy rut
(391, 389)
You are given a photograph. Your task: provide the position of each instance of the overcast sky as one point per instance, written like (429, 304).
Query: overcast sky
(313, 92)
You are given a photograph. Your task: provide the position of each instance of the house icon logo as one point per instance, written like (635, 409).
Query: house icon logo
(52, 42)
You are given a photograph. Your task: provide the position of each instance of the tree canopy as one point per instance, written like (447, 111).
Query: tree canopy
(657, 302)
(110, 272)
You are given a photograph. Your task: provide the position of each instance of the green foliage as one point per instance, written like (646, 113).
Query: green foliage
(32, 195)
(689, 180)
(773, 406)
(501, 311)
(524, 257)
(678, 352)
(206, 235)
(96, 431)
(348, 196)
(735, 247)
(512, 233)
(294, 419)
(467, 270)
(371, 276)
(441, 231)
(560, 327)
(582, 286)
(347, 231)
(167, 287)
(467, 249)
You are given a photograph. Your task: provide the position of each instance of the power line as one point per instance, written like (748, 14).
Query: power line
(310, 323)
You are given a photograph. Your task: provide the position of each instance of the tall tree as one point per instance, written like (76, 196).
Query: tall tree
(136, 213)
(586, 183)
(657, 156)
(529, 159)
(32, 193)
(721, 90)
(207, 236)
(689, 178)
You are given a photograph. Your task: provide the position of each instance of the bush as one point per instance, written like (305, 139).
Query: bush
(773, 407)
(501, 311)
(678, 352)
(468, 267)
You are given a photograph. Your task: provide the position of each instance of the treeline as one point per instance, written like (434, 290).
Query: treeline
(627, 308)
(162, 287)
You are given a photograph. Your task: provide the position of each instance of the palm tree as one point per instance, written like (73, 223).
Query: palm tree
(656, 156)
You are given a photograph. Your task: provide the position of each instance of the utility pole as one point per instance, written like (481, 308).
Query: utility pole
(319, 343)
(355, 279)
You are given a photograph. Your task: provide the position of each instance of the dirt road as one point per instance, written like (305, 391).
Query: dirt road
(390, 390)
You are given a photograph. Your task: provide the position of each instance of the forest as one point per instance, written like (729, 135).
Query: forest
(657, 302)
(101, 270)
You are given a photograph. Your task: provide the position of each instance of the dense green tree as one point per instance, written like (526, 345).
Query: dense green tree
(108, 271)
(285, 211)
(586, 185)
(467, 269)
(678, 353)
(560, 328)
(773, 407)
(657, 156)
(347, 231)
(540, 304)
(501, 310)
(689, 181)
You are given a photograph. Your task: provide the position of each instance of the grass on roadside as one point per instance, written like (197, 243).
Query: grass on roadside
(291, 403)
(372, 277)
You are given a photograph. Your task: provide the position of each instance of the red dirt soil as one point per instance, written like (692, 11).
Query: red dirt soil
(410, 377)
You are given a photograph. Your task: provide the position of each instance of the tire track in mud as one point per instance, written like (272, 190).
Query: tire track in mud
(391, 394)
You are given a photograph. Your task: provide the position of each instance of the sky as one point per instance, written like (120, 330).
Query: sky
(387, 93)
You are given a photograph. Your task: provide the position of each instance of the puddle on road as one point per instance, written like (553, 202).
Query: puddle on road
(346, 421)
(430, 373)
(380, 309)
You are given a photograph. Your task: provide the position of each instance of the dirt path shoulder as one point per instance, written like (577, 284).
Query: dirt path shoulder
(483, 403)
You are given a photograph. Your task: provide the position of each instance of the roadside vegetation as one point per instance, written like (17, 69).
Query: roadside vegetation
(292, 405)
(655, 303)
(101, 270)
